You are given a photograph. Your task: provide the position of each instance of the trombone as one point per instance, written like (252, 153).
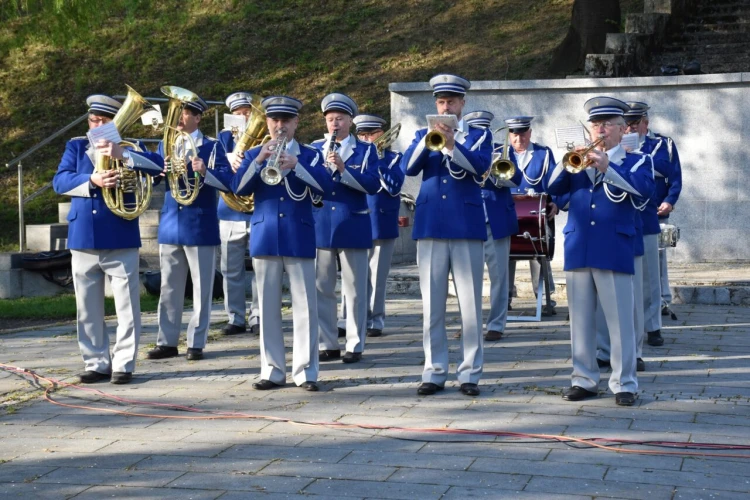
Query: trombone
(384, 141)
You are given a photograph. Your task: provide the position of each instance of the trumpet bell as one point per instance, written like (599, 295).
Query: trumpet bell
(573, 162)
(270, 175)
(502, 169)
(434, 140)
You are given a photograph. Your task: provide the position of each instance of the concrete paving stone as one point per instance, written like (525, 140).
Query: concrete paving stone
(290, 453)
(409, 460)
(10, 473)
(145, 493)
(460, 478)
(218, 424)
(241, 495)
(716, 482)
(93, 420)
(287, 428)
(38, 431)
(181, 448)
(546, 423)
(739, 418)
(240, 481)
(460, 493)
(406, 422)
(644, 412)
(19, 446)
(132, 434)
(531, 467)
(114, 477)
(709, 465)
(523, 450)
(380, 442)
(713, 438)
(78, 459)
(631, 489)
(684, 493)
(40, 491)
(611, 458)
(332, 488)
(328, 471)
(457, 416)
(202, 464)
(726, 431)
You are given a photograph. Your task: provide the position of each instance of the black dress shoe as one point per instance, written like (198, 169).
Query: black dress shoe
(665, 310)
(310, 386)
(342, 333)
(265, 385)
(233, 329)
(92, 377)
(194, 354)
(577, 393)
(374, 332)
(469, 389)
(255, 329)
(161, 352)
(428, 389)
(603, 363)
(493, 335)
(655, 339)
(625, 399)
(121, 377)
(329, 354)
(510, 307)
(351, 357)
(640, 365)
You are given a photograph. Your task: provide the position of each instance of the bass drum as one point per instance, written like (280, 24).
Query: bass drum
(536, 234)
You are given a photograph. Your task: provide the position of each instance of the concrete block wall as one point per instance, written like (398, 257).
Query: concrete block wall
(708, 116)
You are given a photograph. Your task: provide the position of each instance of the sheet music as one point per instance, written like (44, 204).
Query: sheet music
(449, 120)
(107, 131)
(235, 123)
(570, 136)
(630, 141)
(152, 117)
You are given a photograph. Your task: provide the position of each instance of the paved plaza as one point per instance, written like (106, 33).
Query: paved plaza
(696, 389)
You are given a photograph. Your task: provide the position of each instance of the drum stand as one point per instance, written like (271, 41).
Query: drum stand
(543, 285)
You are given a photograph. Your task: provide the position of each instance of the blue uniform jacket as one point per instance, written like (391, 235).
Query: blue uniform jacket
(343, 221)
(499, 205)
(600, 232)
(91, 224)
(668, 189)
(196, 224)
(282, 222)
(663, 169)
(385, 204)
(225, 213)
(449, 204)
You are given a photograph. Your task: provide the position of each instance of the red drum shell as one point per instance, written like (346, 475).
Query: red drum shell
(532, 221)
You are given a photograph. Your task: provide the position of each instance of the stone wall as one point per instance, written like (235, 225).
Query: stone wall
(708, 116)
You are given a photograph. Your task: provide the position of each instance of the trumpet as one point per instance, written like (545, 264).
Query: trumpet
(435, 140)
(576, 162)
(271, 175)
(502, 168)
(384, 141)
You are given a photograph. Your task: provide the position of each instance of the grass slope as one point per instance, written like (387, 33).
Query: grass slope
(51, 60)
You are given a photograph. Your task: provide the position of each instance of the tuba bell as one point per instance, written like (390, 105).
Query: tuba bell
(130, 182)
(502, 168)
(255, 133)
(180, 147)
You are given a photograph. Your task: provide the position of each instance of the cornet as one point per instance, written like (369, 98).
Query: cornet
(576, 162)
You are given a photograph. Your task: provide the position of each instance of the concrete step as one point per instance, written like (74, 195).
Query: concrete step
(150, 247)
(729, 27)
(149, 218)
(149, 231)
(708, 37)
(46, 237)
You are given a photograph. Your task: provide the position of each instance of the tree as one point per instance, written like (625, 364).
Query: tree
(589, 25)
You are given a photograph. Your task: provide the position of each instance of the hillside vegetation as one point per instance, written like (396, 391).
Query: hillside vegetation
(55, 53)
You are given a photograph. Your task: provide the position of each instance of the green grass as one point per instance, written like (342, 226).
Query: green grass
(60, 307)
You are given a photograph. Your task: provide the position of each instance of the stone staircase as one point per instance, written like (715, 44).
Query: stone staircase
(717, 35)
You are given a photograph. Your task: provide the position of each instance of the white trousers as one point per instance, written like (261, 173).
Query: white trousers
(666, 293)
(90, 269)
(602, 333)
(176, 260)
(651, 283)
(436, 258)
(301, 273)
(496, 254)
(234, 244)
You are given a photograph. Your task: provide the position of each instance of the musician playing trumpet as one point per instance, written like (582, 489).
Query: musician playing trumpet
(600, 250)
(342, 227)
(384, 206)
(284, 240)
(449, 226)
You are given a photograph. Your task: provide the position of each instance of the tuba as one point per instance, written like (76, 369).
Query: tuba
(129, 181)
(255, 133)
(180, 147)
(384, 141)
(575, 162)
(502, 168)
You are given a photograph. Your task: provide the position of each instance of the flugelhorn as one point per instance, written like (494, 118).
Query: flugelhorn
(576, 162)
(180, 147)
(502, 168)
(271, 174)
(384, 141)
(129, 181)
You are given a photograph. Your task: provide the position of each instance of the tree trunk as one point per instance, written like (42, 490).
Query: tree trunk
(589, 25)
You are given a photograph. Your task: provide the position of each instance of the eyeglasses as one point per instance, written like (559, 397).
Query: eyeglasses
(98, 119)
(603, 124)
(634, 123)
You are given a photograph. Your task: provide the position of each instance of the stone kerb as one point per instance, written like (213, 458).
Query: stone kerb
(708, 116)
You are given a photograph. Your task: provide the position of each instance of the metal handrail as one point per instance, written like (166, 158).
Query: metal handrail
(18, 161)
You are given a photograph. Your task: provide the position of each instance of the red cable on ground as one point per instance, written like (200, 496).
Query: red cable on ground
(54, 384)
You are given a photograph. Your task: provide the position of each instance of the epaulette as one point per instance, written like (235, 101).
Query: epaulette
(309, 147)
(210, 138)
(79, 138)
(319, 140)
